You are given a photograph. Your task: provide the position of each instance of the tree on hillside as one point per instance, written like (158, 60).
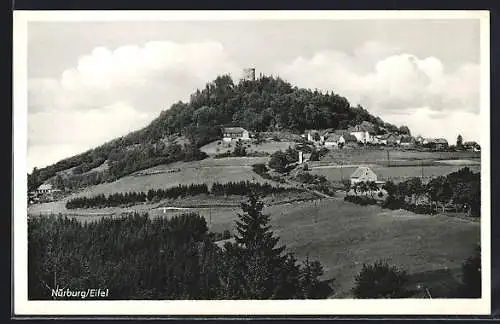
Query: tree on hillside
(280, 160)
(314, 155)
(239, 149)
(261, 252)
(471, 276)
(363, 187)
(372, 186)
(258, 267)
(379, 280)
(347, 186)
(404, 130)
(459, 142)
(310, 284)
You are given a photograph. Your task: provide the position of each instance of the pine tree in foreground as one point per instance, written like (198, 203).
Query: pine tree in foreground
(267, 271)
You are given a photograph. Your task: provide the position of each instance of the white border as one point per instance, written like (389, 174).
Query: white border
(178, 307)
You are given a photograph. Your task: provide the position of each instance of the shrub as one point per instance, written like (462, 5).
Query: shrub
(361, 200)
(471, 277)
(380, 280)
(259, 168)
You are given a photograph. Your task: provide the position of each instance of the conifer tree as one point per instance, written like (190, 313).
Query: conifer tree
(263, 257)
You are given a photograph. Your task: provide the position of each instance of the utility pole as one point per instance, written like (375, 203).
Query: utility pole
(422, 165)
(388, 159)
(341, 173)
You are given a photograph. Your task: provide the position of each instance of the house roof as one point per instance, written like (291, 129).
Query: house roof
(332, 137)
(361, 171)
(440, 141)
(387, 136)
(349, 137)
(363, 127)
(45, 186)
(407, 139)
(233, 130)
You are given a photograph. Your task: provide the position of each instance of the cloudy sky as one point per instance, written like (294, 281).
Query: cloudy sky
(89, 82)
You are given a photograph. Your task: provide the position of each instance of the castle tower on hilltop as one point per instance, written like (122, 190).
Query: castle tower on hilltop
(249, 74)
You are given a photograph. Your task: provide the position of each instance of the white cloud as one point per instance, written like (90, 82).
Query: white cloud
(109, 93)
(397, 84)
(430, 123)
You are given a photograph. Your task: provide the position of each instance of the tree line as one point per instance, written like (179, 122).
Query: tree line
(241, 188)
(138, 257)
(460, 190)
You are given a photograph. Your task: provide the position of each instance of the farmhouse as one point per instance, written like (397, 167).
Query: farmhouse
(333, 140)
(361, 133)
(45, 189)
(388, 139)
(363, 174)
(472, 146)
(407, 141)
(235, 133)
(440, 143)
(316, 136)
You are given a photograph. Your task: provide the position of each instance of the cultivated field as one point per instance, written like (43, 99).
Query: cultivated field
(269, 147)
(379, 155)
(206, 171)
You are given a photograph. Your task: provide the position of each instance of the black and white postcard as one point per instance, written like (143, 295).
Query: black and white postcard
(251, 163)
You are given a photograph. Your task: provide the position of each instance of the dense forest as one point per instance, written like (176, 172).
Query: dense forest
(137, 257)
(265, 104)
(242, 188)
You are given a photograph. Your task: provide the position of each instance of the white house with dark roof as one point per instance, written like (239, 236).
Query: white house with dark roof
(333, 140)
(45, 188)
(235, 133)
(363, 174)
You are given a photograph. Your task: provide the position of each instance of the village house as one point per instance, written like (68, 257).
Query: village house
(363, 133)
(407, 141)
(312, 135)
(439, 144)
(235, 133)
(472, 146)
(333, 140)
(349, 140)
(388, 139)
(427, 141)
(363, 174)
(419, 140)
(45, 189)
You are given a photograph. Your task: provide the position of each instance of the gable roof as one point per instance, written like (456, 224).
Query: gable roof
(363, 127)
(440, 141)
(233, 130)
(361, 171)
(45, 186)
(332, 137)
(387, 136)
(349, 137)
(407, 139)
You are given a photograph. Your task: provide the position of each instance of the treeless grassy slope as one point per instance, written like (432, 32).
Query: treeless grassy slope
(343, 236)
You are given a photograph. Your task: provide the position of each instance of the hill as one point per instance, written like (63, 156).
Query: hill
(265, 104)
